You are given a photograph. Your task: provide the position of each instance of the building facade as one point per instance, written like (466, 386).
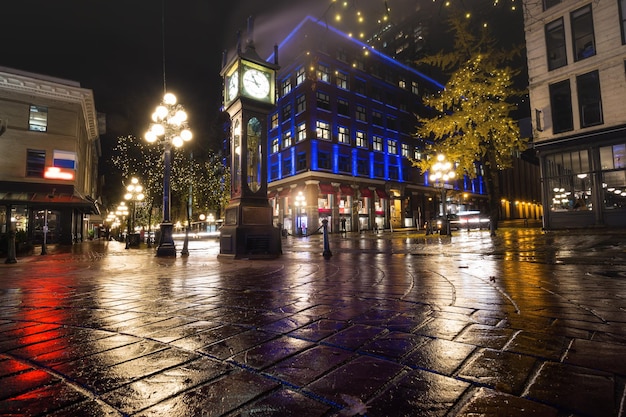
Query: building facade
(49, 150)
(576, 53)
(342, 134)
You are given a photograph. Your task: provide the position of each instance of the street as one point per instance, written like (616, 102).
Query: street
(392, 324)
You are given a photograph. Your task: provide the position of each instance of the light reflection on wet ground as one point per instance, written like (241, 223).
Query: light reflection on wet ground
(421, 325)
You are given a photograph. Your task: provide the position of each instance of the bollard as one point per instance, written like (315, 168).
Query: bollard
(327, 253)
(11, 259)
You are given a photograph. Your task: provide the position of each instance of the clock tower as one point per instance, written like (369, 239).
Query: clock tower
(249, 97)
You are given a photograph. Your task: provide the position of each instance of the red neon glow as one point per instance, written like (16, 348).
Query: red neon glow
(57, 174)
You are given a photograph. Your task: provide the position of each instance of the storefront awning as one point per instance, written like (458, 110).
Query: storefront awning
(366, 192)
(346, 190)
(50, 201)
(326, 189)
(382, 194)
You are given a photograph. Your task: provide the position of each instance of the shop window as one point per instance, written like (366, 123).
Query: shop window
(568, 178)
(35, 163)
(612, 161)
(583, 40)
(561, 107)
(589, 100)
(38, 119)
(555, 44)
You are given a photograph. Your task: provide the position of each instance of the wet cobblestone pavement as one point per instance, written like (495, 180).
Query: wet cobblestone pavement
(522, 324)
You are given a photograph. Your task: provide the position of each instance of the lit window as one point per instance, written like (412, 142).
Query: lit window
(323, 130)
(377, 143)
(342, 80)
(287, 141)
(300, 76)
(286, 86)
(38, 119)
(415, 88)
(405, 150)
(274, 145)
(274, 120)
(392, 147)
(361, 139)
(301, 132)
(343, 134)
(323, 73)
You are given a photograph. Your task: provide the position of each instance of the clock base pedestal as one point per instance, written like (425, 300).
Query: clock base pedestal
(248, 233)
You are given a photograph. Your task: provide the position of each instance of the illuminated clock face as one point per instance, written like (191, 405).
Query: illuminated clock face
(233, 85)
(256, 83)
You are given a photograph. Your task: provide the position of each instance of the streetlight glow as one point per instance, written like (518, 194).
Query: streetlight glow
(169, 128)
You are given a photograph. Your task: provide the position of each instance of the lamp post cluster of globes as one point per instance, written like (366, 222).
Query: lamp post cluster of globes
(441, 172)
(169, 128)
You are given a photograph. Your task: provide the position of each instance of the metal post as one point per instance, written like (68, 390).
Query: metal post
(11, 259)
(327, 253)
(44, 247)
(166, 242)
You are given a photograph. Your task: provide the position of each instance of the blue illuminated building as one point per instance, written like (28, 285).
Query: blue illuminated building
(341, 135)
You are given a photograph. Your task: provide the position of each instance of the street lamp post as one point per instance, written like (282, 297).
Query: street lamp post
(300, 203)
(122, 211)
(133, 195)
(169, 128)
(443, 171)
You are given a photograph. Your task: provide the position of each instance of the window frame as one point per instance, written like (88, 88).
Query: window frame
(38, 118)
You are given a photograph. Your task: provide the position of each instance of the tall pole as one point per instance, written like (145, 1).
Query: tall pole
(166, 241)
(44, 248)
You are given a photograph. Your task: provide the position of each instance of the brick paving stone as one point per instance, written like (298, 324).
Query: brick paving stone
(359, 378)
(155, 388)
(575, 389)
(543, 345)
(505, 371)
(485, 336)
(491, 403)
(439, 355)
(602, 356)
(284, 403)
(354, 336)
(419, 393)
(41, 400)
(394, 345)
(307, 366)
(271, 351)
(226, 394)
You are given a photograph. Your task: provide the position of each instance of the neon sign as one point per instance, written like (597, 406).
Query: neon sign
(58, 174)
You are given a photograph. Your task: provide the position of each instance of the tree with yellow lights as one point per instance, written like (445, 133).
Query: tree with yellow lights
(472, 125)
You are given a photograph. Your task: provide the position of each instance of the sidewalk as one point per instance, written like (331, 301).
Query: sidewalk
(393, 324)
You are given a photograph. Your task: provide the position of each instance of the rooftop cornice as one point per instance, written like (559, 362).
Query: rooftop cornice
(44, 87)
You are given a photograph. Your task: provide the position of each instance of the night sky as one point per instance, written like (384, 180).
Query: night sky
(115, 47)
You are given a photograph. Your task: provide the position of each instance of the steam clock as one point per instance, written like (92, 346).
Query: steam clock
(249, 97)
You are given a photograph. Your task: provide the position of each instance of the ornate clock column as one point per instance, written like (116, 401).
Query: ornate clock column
(249, 97)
